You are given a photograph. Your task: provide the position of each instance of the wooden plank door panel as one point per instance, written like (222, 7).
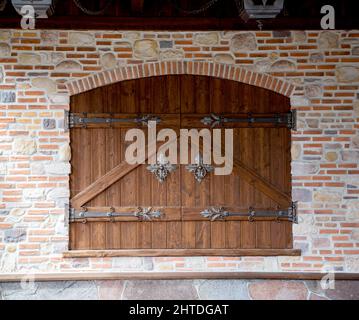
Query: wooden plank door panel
(182, 101)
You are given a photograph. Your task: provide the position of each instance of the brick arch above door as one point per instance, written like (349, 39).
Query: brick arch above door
(151, 69)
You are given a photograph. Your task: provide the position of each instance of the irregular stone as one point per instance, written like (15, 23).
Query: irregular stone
(166, 44)
(302, 195)
(29, 59)
(356, 108)
(347, 74)
(45, 84)
(224, 58)
(5, 50)
(223, 290)
(320, 242)
(146, 49)
(313, 91)
(328, 40)
(306, 225)
(49, 123)
(160, 290)
(37, 168)
(1, 74)
(278, 290)
(49, 37)
(64, 153)
(353, 210)
(57, 193)
(333, 146)
(355, 235)
(7, 96)
(110, 290)
(282, 65)
(352, 264)
(4, 212)
(281, 34)
(58, 168)
(263, 65)
(14, 235)
(68, 65)
(59, 98)
(171, 54)
(24, 146)
(148, 263)
(59, 290)
(53, 57)
(355, 142)
(331, 156)
(302, 246)
(299, 102)
(355, 51)
(108, 61)
(327, 196)
(299, 36)
(31, 194)
(81, 39)
(206, 39)
(243, 42)
(316, 57)
(296, 151)
(312, 123)
(5, 35)
(344, 290)
(350, 156)
(304, 168)
(3, 168)
(17, 212)
(132, 35)
(128, 263)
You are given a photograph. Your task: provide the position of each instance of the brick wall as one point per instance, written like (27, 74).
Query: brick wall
(40, 69)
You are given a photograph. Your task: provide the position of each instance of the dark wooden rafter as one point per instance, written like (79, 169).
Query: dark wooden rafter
(137, 6)
(164, 15)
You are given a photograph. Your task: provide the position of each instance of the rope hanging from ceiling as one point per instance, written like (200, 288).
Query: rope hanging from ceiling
(93, 12)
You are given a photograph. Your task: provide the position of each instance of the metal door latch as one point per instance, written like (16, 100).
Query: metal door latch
(287, 119)
(220, 213)
(142, 213)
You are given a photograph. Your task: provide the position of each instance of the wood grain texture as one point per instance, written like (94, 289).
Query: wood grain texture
(101, 178)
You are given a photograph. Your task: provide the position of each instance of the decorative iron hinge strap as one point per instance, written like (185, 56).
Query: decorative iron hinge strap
(288, 119)
(220, 213)
(145, 214)
(72, 120)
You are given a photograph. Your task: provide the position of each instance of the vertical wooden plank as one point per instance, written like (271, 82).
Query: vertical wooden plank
(144, 234)
(98, 235)
(113, 235)
(248, 235)
(203, 235)
(189, 234)
(83, 236)
(174, 235)
(159, 235)
(129, 235)
(218, 235)
(264, 240)
(233, 233)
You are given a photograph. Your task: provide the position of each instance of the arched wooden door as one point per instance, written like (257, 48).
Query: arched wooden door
(118, 206)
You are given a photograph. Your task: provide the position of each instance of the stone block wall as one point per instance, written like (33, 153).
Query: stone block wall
(39, 70)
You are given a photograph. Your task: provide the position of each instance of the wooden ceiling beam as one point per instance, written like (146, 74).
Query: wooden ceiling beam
(178, 24)
(137, 6)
